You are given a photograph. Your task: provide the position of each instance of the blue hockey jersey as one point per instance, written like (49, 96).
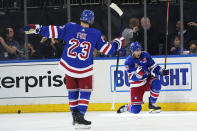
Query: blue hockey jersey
(77, 57)
(148, 65)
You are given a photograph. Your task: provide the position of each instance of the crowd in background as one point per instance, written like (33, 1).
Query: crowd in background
(44, 48)
(41, 48)
(156, 40)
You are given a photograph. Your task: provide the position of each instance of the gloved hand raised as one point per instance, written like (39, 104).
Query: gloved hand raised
(120, 41)
(32, 29)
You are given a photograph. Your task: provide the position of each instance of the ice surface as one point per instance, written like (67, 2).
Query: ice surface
(101, 121)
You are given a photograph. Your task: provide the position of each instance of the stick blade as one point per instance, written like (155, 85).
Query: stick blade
(116, 8)
(31, 31)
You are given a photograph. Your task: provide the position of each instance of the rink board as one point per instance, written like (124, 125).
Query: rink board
(38, 86)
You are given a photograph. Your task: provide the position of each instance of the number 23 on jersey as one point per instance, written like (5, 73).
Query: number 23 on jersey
(84, 54)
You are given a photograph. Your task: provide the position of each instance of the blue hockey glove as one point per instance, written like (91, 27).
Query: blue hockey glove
(164, 72)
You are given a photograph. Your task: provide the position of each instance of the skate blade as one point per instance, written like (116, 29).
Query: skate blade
(81, 126)
(154, 111)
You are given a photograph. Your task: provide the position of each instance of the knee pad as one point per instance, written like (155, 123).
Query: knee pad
(135, 109)
(156, 85)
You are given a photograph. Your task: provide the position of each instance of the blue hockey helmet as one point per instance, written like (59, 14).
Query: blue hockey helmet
(135, 46)
(87, 16)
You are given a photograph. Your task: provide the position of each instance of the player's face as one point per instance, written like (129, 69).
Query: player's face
(137, 53)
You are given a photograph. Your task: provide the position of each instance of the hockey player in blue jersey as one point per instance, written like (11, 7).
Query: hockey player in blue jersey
(77, 58)
(142, 72)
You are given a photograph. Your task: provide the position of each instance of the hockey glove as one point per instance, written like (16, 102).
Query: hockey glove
(32, 29)
(120, 42)
(139, 72)
(164, 72)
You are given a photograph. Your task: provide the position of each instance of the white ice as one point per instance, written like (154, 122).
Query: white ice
(101, 121)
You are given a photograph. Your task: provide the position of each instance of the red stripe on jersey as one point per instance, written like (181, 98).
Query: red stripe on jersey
(141, 73)
(129, 75)
(136, 82)
(83, 102)
(106, 48)
(75, 71)
(73, 103)
(53, 31)
(153, 94)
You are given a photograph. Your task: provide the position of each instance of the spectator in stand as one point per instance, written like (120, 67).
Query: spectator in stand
(193, 47)
(176, 47)
(57, 46)
(9, 47)
(186, 35)
(193, 29)
(192, 24)
(131, 33)
(50, 48)
(153, 36)
(32, 53)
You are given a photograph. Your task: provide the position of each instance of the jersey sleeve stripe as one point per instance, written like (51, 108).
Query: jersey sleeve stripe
(103, 47)
(50, 32)
(130, 75)
(53, 31)
(107, 49)
(153, 67)
(56, 32)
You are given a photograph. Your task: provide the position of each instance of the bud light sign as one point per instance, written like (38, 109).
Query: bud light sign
(179, 78)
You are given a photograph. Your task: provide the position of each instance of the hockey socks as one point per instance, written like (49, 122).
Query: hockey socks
(154, 91)
(77, 102)
(73, 100)
(154, 94)
(83, 101)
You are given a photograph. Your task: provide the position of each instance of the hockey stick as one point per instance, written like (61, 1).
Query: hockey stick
(166, 45)
(120, 13)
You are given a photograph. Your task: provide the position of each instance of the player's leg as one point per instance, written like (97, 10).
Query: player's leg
(155, 87)
(85, 85)
(73, 94)
(136, 101)
(130, 108)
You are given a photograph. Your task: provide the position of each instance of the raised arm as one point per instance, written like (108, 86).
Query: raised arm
(109, 48)
(50, 31)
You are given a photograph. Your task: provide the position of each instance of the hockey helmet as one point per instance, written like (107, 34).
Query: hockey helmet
(87, 16)
(135, 46)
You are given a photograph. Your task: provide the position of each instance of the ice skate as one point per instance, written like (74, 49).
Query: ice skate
(122, 109)
(80, 123)
(153, 108)
(75, 112)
